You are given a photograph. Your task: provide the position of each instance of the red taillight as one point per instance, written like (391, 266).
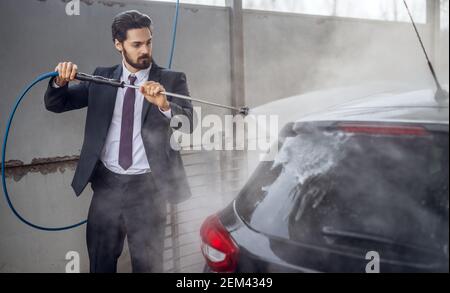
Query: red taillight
(383, 129)
(218, 248)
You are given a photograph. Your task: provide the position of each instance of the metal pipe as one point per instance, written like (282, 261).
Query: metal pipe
(116, 83)
(244, 110)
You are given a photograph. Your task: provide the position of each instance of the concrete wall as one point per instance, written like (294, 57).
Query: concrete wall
(288, 54)
(284, 55)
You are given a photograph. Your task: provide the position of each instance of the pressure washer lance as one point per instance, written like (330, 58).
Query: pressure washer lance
(121, 84)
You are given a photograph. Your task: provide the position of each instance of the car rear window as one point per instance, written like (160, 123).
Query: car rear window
(331, 187)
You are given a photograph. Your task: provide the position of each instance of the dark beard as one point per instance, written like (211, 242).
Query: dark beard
(144, 64)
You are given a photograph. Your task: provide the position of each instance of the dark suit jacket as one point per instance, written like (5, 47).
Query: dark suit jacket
(166, 164)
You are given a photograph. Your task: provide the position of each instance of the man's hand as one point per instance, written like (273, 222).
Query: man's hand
(152, 92)
(67, 72)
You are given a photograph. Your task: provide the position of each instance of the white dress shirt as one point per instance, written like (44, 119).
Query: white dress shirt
(110, 152)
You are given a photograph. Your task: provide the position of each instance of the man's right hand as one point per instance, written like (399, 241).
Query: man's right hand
(67, 72)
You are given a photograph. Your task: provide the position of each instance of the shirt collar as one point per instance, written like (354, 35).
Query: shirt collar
(142, 75)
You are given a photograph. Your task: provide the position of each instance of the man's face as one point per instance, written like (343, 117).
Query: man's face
(137, 48)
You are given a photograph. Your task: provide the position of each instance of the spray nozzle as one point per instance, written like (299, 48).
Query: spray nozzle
(244, 111)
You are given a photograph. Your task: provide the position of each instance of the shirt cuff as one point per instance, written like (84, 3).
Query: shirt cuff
(55, 85)
(168, 113)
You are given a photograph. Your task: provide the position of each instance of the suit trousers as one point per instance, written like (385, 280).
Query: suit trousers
(125, 205)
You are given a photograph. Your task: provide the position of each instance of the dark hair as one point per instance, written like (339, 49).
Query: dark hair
(128, 20)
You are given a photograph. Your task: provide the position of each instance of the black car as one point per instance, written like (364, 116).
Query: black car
(369, 178)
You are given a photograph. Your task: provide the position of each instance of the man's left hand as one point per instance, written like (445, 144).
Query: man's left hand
(152, 92)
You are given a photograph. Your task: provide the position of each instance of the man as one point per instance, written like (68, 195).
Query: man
(126, 154)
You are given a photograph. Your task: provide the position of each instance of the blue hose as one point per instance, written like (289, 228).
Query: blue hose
(8, 128)
(5, 142)
(174, 34)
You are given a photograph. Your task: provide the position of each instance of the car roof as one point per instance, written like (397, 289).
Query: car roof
(417, 106)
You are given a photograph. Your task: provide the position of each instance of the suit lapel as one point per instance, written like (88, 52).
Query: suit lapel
(105, 101)
(110, 94)
(154, 75)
